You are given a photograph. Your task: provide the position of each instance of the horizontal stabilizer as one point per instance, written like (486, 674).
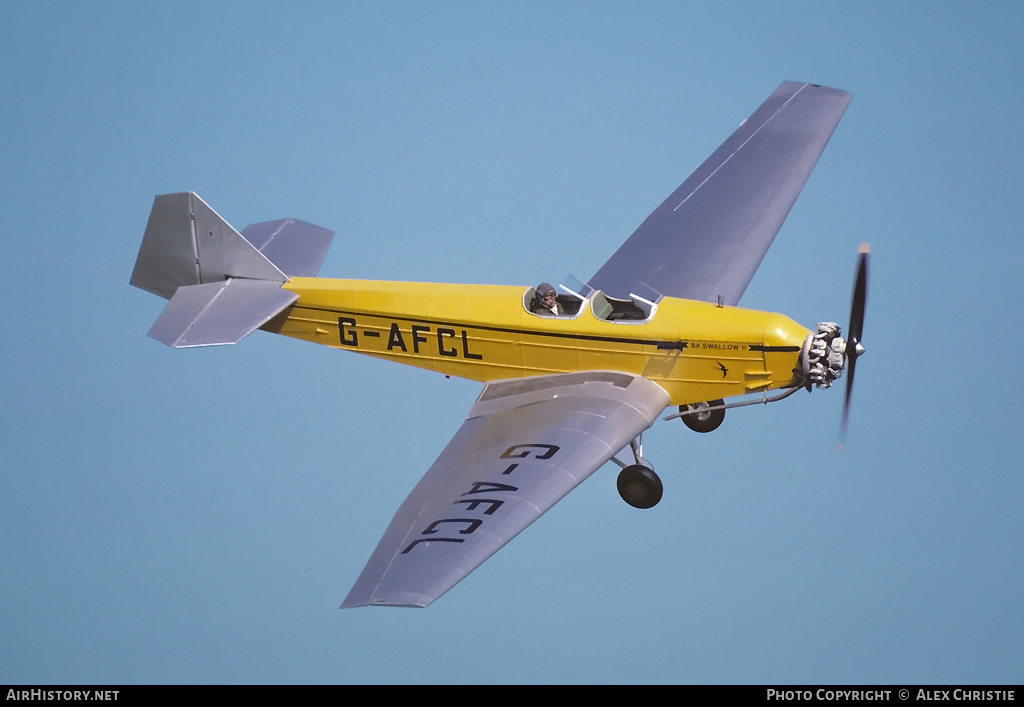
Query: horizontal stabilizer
(297, 248)
(219, 312)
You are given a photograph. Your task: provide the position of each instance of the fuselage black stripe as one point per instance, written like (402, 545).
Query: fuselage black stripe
(484, 327)
(774, 349)
(551, 334)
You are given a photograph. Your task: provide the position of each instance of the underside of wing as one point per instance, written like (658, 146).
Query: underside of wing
(707, 239)
(525, 444)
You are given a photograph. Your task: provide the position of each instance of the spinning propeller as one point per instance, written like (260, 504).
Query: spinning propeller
(854, 348)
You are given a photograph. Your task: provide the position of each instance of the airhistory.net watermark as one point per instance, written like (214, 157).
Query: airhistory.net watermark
(62, 695)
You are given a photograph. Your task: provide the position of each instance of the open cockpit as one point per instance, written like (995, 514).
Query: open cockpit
(570, 303)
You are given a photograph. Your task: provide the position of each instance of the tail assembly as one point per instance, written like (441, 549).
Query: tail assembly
(222, 284)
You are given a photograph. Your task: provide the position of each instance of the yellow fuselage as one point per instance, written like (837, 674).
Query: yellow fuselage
(696, 351)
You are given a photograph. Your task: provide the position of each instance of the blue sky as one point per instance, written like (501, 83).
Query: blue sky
(198, 516)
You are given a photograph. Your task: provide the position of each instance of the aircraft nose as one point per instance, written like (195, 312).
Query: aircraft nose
(783, 334)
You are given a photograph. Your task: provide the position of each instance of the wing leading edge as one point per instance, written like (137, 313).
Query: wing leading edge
(525, 444)
(707, 239)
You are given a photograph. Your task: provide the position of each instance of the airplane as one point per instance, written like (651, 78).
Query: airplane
(565, 389)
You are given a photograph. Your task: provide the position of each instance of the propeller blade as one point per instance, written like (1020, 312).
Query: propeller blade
(855, 332)
(860, 294)
(851, 363)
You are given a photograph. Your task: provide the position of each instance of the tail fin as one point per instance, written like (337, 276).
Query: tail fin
(188, 243)
(220, 285)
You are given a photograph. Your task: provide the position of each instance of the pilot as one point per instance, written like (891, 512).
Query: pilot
(545, 303)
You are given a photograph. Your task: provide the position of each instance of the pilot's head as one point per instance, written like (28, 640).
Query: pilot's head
(546, 294)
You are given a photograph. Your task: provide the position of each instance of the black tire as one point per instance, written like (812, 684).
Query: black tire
(706, 421)
(639, 486)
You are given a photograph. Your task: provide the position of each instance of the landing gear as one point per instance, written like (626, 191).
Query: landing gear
(705, 419)
(639, 486)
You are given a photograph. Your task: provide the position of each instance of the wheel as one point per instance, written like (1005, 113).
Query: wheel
(639, 486)
(705, 421)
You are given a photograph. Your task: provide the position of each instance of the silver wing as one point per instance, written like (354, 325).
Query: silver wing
(707, 239)
(525, 444)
